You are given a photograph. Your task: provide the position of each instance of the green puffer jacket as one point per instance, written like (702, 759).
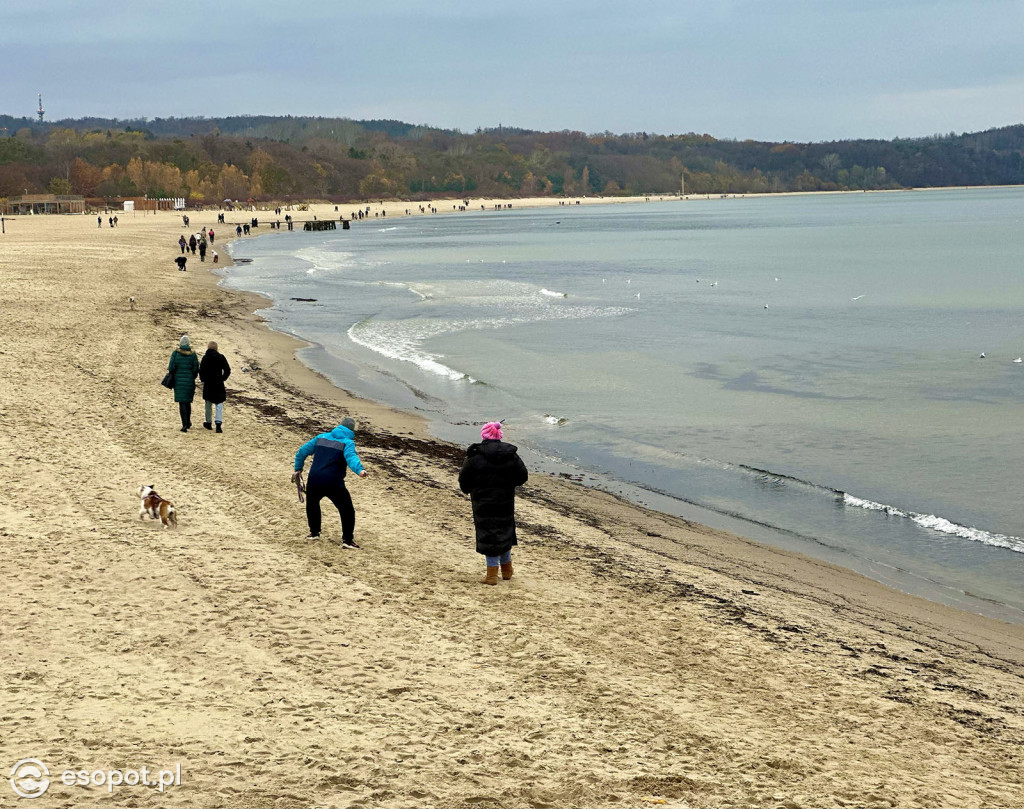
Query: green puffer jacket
(184, 365)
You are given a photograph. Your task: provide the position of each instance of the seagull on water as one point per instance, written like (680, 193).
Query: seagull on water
(1019, 359)
(857, 298)
(981, 356)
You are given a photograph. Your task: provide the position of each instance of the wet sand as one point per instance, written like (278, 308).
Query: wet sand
(634, 659)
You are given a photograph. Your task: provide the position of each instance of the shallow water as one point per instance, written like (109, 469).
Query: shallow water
(805, 369)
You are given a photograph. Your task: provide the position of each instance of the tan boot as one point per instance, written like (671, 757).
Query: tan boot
(506, 571)
(492, 576)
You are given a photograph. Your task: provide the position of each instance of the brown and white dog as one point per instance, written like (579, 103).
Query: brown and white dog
(156, 507)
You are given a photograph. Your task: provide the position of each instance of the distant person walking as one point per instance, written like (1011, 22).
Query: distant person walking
(183, 244)
(214, 371)
(202, 250)
(99, 221)
(184, 368)
(489, 476)
(333, 453)
(192, 243)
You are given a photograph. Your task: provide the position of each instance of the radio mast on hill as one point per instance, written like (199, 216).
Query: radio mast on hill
(40, 112)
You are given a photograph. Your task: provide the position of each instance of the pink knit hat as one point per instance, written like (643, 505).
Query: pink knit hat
(491, 430)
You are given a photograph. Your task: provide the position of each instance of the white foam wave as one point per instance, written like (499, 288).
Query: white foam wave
(396, 341)
(553, 294)
(385, 230)
(940, 524)
(492, 305)
(556, 420)
(332, 261)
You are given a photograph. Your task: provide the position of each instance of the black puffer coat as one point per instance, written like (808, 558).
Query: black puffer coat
(214, 371)
(489, 476)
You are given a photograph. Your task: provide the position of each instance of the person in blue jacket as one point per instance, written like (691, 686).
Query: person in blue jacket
(333, 453)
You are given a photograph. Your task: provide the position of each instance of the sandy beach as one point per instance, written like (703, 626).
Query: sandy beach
(634, 660)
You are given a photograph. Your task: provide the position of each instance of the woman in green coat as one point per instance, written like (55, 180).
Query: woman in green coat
(184, 368)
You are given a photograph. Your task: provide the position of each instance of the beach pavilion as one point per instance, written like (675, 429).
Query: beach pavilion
(44, 203)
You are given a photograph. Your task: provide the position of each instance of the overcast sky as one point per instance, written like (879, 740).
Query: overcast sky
(764, 69)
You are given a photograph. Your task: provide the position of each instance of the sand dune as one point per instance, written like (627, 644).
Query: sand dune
(634, 660)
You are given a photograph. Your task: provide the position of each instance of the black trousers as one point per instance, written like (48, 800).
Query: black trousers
(185, 411)
(337, 494)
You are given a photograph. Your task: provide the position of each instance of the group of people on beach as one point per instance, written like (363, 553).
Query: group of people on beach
(490, 474)
(213, 371)
(194, 243)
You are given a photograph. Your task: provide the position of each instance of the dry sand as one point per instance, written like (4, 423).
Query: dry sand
(633, 660)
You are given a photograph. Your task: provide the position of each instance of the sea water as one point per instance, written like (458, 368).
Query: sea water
(802, 370)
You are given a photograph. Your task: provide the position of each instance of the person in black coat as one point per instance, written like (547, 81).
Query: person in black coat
(489, 476)
(213, 372)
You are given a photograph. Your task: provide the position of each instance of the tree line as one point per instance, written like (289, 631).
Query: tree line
(208, 160)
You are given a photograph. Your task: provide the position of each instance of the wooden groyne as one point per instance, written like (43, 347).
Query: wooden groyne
(320, 224)
(289, 223)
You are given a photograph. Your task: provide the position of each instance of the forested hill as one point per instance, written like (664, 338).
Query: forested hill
(268, 157)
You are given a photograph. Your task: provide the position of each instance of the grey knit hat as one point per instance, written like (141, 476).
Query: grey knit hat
(349, 422)
(184, 343)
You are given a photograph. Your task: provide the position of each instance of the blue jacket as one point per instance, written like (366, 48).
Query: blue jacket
(332, 452)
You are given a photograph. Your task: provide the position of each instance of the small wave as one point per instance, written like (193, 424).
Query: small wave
(554, 294)
(940, 524)
(385, 230)
(767, 473)
(334, 261)
(402, 348)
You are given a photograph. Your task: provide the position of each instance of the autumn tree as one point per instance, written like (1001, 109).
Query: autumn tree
(376, 184)
(59, 186)
(84, 177)
(232, 183)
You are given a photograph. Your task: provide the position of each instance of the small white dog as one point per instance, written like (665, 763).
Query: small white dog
(155, 507)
